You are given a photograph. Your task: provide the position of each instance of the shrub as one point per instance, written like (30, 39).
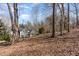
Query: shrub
(5, 37)
(41, 30)
(3, 34)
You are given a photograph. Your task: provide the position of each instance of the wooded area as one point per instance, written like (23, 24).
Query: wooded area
(59, 28)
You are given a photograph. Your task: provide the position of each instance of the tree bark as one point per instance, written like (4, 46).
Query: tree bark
(76, 9)
(68, 17)
(61, 20)
(16, 26)
(12, 24)
(53, 21)
(11, 16)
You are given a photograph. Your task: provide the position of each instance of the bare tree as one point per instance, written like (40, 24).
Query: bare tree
(68, 16)
(35, 15)
(76, 9)
(16, 21)
(53, 21)
(11, 16)
(12, 23)
(61, 20)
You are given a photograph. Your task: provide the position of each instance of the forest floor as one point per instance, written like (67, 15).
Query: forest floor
(65, 45)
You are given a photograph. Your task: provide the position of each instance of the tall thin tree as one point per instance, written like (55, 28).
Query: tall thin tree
(61, 20)
(53, 21)
(11, 16)
(68, 16)
(16, 21)
(76, 9)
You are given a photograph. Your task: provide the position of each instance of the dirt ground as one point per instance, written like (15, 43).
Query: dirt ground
(65, 45)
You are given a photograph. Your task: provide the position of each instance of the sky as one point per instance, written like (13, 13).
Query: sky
(28, 12)
(31, 12)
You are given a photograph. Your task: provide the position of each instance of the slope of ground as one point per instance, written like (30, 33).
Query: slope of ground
(67, 44)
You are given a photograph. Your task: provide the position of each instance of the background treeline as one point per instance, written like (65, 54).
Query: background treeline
(63, 18)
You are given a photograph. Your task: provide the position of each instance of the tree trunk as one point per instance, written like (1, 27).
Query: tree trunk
(68, 17)
(63, 16)
(77, 22)
(61, 21)
(16, 27)
(12, 23)
(61, 26)
(53, 21)
(11, 16)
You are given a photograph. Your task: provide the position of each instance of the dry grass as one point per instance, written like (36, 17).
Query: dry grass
(65, 45)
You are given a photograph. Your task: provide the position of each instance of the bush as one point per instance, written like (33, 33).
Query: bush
(41, 30)
(5, 37)
(3, 33)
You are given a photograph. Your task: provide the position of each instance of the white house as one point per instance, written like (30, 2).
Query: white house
(23, 33)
